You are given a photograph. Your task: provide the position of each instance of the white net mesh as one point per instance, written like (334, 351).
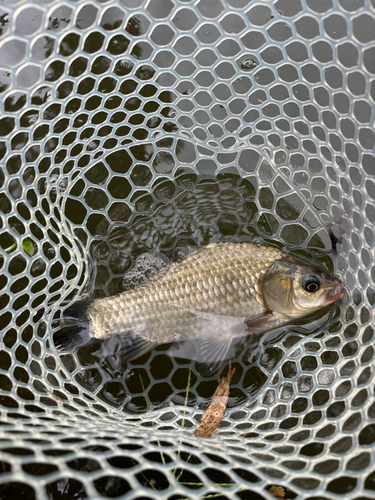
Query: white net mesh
(129, 127)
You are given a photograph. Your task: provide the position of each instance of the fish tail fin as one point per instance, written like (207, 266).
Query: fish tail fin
(75, 328)
(71, 337)
(77, 311)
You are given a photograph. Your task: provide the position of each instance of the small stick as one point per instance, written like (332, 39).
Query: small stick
(56, 397)
(214, 413)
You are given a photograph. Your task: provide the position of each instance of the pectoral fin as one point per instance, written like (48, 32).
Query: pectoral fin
(263, 322)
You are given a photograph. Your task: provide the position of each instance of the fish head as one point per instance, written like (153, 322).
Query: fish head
(295, 289)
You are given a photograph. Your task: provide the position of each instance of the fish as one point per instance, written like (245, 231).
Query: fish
(214, 295)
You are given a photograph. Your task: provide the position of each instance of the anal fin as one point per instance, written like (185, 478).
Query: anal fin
(213, 351)
(134, 346)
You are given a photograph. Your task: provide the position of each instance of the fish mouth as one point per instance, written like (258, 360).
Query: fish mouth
(336, 292)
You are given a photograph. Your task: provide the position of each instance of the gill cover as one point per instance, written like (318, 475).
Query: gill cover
(285, 288)
(277, 286)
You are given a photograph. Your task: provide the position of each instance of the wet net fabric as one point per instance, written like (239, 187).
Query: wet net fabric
(137, 127)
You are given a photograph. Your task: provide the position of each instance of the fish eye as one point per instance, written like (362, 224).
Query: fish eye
(311, 283)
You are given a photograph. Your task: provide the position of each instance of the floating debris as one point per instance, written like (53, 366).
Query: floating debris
(278, 492)
(214, 413)
(248, 64)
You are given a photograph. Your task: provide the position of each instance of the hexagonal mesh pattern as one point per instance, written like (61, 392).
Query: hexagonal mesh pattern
(133, 126)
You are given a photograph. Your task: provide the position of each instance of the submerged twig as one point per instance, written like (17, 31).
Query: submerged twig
(144, 391)
(187, 395)
(214, 413)
(56, 397)
(183, 422)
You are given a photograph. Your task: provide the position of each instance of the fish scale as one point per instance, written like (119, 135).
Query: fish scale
(219, 279)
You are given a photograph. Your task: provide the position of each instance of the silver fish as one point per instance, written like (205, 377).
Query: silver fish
(217, 293)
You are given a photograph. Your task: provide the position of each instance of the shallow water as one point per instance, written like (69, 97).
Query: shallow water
(195, 212)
